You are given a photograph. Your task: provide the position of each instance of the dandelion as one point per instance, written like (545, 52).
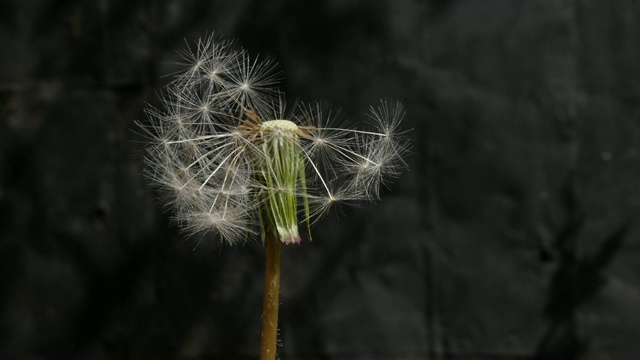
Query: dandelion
(229, 158)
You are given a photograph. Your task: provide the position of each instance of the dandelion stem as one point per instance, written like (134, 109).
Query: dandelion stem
(271, 296)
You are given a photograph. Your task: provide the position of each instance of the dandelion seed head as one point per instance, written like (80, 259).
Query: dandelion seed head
(228, 158)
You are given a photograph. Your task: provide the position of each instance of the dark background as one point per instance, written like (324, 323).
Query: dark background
(513, 235)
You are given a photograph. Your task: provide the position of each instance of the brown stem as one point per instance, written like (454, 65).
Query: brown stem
(271, 297)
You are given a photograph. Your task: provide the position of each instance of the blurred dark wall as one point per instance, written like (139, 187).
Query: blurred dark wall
(513, 235)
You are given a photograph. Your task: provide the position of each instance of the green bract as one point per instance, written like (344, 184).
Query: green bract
(282, 169)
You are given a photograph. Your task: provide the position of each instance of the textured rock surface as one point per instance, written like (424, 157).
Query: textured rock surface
(514, 234)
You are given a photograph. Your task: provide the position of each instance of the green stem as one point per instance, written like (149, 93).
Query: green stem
(271, 296)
